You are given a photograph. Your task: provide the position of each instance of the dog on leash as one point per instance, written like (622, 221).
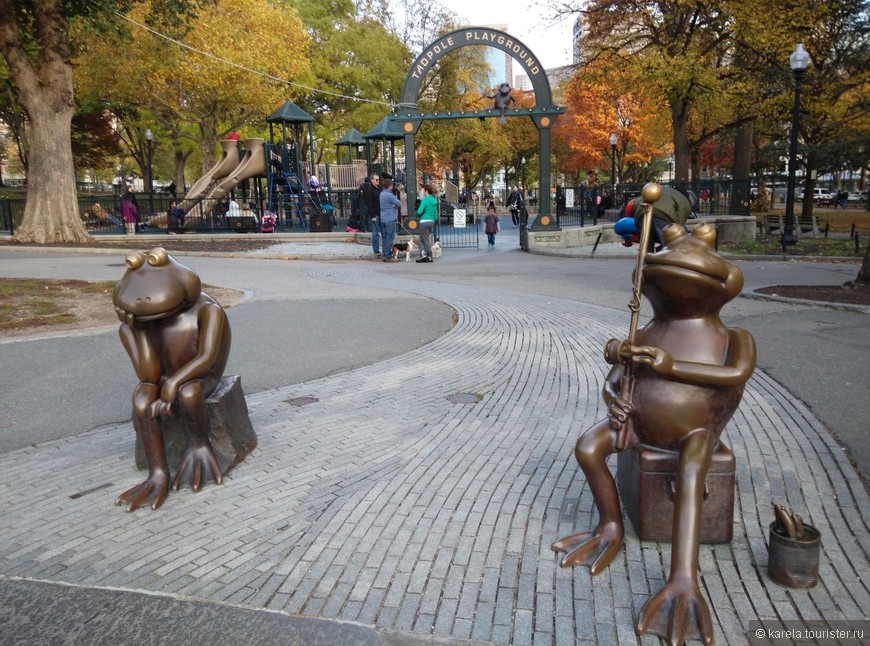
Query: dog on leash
(404, 248)
(436, 250)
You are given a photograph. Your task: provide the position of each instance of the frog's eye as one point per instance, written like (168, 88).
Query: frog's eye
(158, 257)
(705, 233)
(672, 233)
(134, 260)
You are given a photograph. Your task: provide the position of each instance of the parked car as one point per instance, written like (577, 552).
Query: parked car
(822, 196)
(858, 196)
(828, 200)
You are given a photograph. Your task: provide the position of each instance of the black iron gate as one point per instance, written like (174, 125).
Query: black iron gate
(524, 229)
(455, 232)
(452, 231)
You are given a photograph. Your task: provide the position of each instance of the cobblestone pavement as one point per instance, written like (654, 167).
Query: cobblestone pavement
(389, 503)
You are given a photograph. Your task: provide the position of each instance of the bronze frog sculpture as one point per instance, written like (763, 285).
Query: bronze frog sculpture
(503, 100)
(178, 339)
(675, 388)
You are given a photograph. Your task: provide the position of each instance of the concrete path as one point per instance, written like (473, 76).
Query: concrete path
(419, 495)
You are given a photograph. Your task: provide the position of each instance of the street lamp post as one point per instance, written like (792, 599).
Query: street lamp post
(613, 140)
(523, 167)
(799, 60)
(149, 137)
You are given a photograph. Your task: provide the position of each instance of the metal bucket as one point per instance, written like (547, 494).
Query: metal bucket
(794, 563)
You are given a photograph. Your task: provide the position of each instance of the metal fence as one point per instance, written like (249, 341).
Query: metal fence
(452, 234)
(101, 215)
(581, 205)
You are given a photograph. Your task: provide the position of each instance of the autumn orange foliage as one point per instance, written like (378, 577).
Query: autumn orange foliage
(602, 102)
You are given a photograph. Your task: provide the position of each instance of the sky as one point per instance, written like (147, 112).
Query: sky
(530, 22)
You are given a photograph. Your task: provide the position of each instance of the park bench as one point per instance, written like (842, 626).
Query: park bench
(775, 223)
(808, 224)
(772, 222)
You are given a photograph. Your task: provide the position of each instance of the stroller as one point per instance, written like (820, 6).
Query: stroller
(267, 224)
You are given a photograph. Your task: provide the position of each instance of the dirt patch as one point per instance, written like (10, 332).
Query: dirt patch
(176, 243)
(37, 306)
(852, 295)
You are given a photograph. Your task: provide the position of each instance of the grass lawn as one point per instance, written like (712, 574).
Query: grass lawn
(839, 224)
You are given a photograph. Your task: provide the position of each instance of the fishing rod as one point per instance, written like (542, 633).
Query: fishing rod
(617, 351)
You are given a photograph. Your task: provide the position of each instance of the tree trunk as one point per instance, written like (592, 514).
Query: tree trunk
(52, 210)
(679, 121)
(51, 213)
(808, 190)
(740, 169)
(208, 142)
(180, 159)
(864, 274)
(695, 162)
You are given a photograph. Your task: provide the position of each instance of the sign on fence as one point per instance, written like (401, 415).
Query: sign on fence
(569, 198)
(459, 218)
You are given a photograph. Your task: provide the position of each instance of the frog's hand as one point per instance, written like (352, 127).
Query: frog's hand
(619, 417)
(736, 371)
(159, 408)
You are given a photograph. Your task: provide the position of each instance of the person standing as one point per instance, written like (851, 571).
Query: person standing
(428, 212)
(129, 212)
(490, 225)
(130, 195)
(514, 204)
(314, 188)
(174, 218)
(590, 196)
(843, 198)
(402, 194)
(371, 202)
(389, 205)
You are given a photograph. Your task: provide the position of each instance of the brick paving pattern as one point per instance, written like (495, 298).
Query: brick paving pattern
(386, 503)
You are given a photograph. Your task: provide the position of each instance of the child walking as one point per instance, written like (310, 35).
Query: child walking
(490, 225)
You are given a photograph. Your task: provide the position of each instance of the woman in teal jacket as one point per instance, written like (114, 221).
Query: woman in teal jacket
(428, 212)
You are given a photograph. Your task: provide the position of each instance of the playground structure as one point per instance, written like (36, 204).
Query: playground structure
(287, 195)
(292, 199)
(202, 201)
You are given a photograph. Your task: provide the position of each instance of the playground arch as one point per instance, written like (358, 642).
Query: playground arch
(543, 114)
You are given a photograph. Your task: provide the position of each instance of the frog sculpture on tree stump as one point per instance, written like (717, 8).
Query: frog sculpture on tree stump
(178, 340)
(674, 385)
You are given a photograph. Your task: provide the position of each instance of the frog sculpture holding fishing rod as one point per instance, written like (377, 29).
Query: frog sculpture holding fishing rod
(674, 385)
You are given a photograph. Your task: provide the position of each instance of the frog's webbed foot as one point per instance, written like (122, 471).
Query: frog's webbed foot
(154, 490)
(200, 463)
(596, 548)
(677, 613)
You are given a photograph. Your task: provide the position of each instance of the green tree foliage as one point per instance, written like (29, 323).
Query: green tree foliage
(35, 43)
(238, 54)
(357, 62)
(834, 108)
